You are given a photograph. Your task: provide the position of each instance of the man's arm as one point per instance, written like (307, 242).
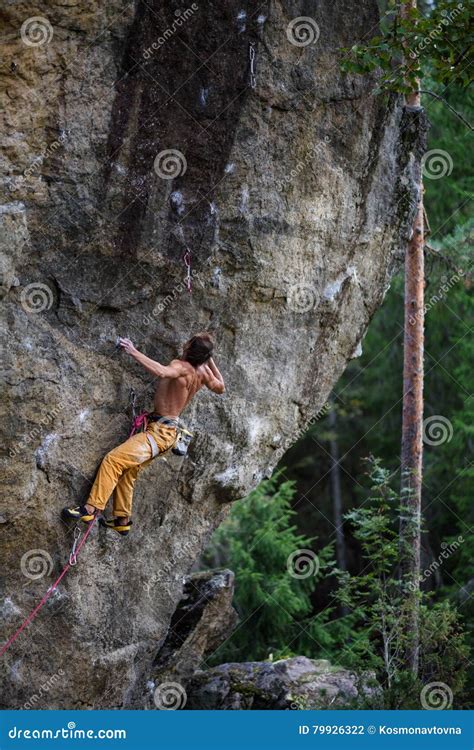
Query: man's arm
(215, 371)
(155, 368)
(215, 381)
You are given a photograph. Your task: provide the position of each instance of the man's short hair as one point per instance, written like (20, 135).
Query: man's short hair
(199, 349)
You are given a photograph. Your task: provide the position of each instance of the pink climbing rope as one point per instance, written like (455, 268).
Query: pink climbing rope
(52, 588)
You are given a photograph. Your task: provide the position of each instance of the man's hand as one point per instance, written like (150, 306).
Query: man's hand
(128, 346)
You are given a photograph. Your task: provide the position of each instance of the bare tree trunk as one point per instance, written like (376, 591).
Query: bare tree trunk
(412, 419)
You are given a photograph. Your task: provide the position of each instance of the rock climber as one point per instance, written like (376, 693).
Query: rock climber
(178, 383)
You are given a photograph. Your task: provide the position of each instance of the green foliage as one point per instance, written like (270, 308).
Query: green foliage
(448, 200)
(374, 385)
(368, 399)
(275, 607)
(257, 542)
(449, 470)
(380, 604)
(420, 41)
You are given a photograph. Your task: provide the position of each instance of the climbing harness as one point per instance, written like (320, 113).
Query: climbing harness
(252, 77)
(183, 436)
(77, 546)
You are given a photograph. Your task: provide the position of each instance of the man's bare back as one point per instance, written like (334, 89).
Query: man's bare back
(174, 394)
(178, 382)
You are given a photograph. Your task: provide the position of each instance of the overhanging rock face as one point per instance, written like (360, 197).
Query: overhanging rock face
(295, 198)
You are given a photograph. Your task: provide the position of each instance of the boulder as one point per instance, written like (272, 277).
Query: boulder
(295, 683)
(203, 619)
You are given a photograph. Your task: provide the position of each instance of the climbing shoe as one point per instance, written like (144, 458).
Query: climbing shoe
(79, 513)
(115, 525)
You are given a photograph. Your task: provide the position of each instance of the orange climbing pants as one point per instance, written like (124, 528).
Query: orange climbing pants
(119, 469)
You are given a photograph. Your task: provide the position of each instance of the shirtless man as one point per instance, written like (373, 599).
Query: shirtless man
(178, 383)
